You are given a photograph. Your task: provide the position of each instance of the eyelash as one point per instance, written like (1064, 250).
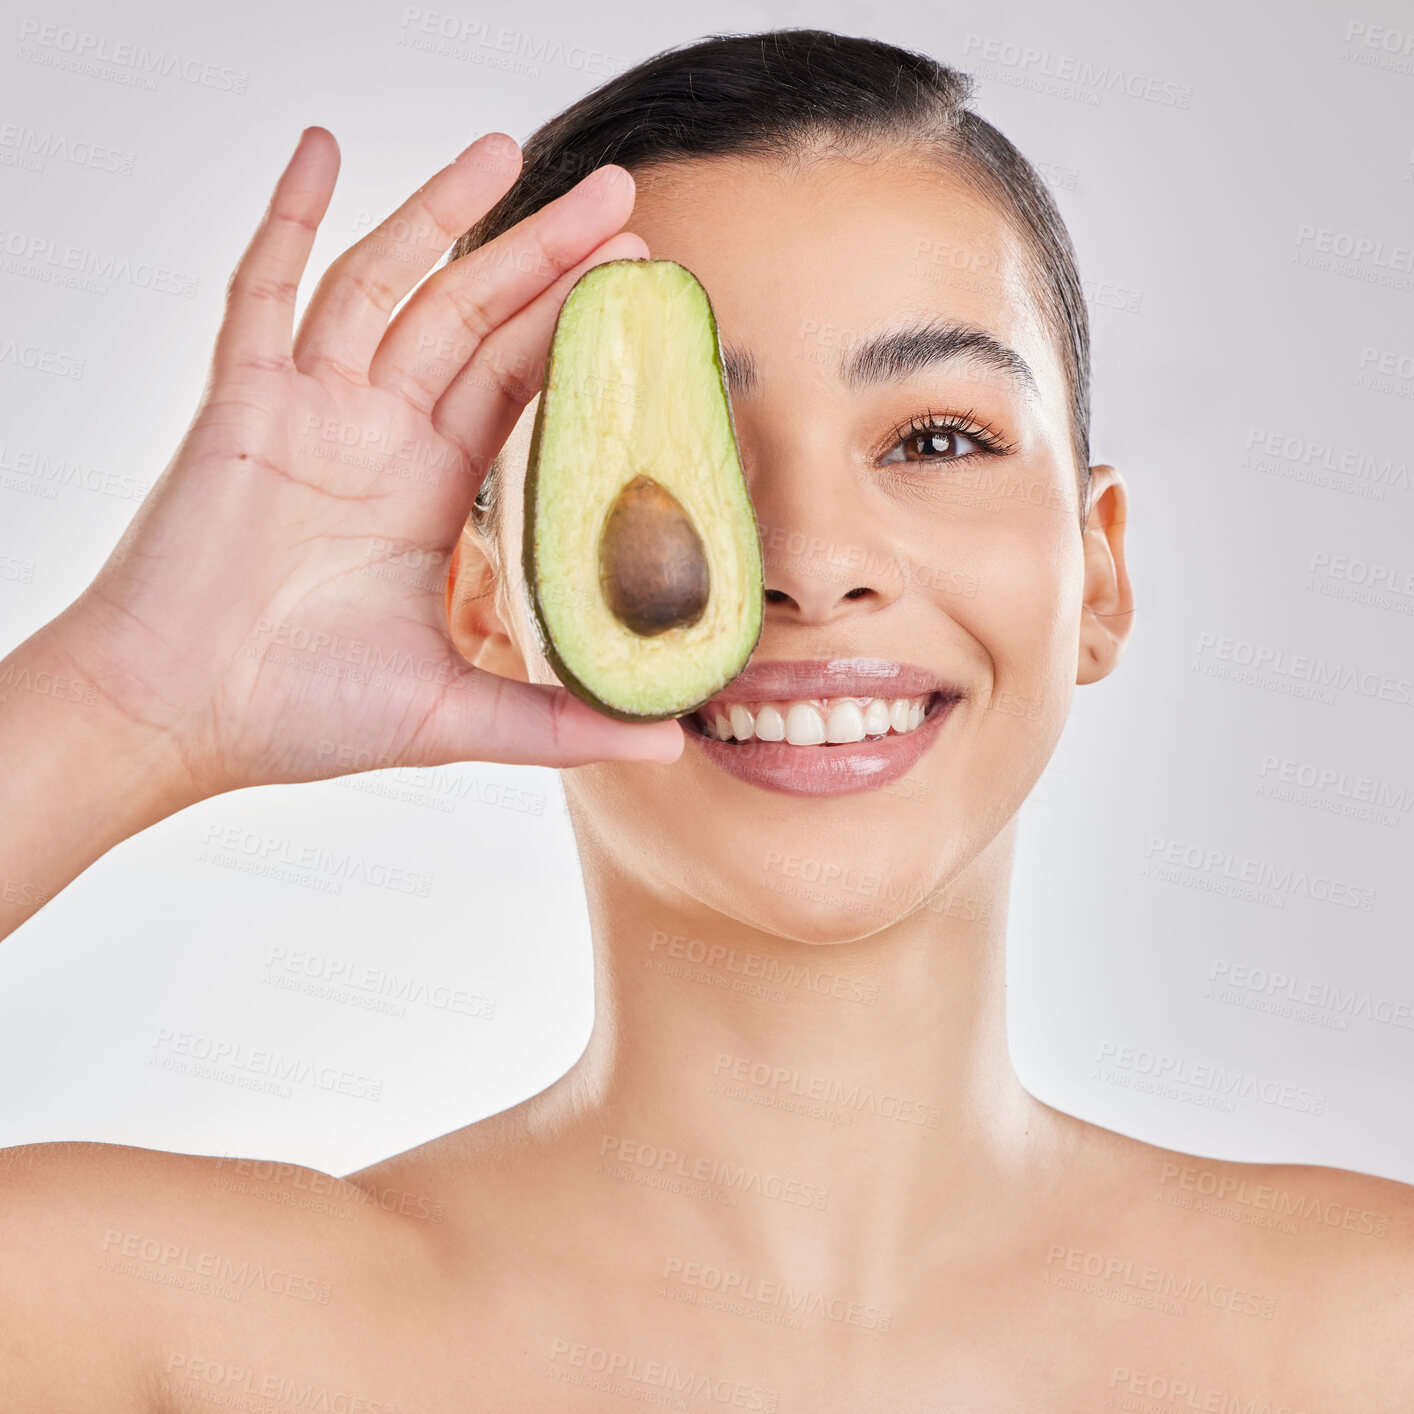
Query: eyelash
(987, 438)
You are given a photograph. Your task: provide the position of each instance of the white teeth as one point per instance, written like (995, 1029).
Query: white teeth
(813, 722)
(846, 722)
(876, 717)
(770, 725)
(804, 725)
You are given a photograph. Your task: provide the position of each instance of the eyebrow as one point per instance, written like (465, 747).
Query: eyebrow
(893, 355)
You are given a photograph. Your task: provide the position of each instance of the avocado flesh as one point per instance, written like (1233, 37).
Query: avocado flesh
(642, 559)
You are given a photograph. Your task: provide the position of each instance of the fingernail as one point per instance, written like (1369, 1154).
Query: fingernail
(669, 749)
(490, 152)
(498, 144)
(600, 181)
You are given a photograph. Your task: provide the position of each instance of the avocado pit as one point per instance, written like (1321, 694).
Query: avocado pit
(652, 563)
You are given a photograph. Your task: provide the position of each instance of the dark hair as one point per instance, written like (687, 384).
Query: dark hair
(777, 94)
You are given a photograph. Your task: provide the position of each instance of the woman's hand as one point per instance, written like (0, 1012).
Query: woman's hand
(271, 610)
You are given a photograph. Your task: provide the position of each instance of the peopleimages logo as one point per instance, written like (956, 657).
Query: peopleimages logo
(1303, 458)
(1262, 874)
(1277, 986)
(241, 1386)
(1214, 651)
(1265, 1197)
(437, 31)
(59, 47)
(1346, 783)
(179, 1257)
(341, 978)
(230, 845)
(39, 359)
(1337, 792)
(829, 1090)
(739, 1177)
(1216, 1080)
(766, 1291)
(212, 1058)
(792, 977)
(1123, 1271)
(1356, 247)
(1389, 371)
(627, 1373)
(24, 146)
(40, 257)
(1354, 258)
(1031, 65)
(42, 474)
(1378, 46)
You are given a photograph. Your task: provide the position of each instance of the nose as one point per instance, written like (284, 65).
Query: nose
(825, 560)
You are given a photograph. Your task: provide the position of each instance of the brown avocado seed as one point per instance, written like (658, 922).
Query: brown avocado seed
(652, 566)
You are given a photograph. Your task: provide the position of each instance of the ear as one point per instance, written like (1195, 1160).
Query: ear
(473, 615)
(1108, 612)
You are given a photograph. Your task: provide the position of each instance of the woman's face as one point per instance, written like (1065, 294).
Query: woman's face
(959, 554)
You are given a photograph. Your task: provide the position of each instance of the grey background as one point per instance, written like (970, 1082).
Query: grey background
(1239, 181)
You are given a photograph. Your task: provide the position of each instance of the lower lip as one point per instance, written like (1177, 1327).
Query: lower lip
(825, 770)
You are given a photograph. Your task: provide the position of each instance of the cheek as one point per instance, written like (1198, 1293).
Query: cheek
(1026, 617)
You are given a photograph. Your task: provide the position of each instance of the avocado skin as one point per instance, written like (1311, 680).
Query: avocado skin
(529, 564)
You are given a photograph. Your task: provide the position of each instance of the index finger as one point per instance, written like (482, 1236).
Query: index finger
(349, 310)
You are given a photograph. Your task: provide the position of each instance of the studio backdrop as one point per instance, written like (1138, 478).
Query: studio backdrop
(1212, 923)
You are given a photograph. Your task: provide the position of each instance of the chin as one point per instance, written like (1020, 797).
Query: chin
(806, 891)
(810, 918)
(822, 925)
(835, 870)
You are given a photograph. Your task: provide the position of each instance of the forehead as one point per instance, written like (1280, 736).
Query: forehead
(804, 258)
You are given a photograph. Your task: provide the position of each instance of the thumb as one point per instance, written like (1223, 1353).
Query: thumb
(480, 716)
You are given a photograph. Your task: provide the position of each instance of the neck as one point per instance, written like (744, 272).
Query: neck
(869, 1080)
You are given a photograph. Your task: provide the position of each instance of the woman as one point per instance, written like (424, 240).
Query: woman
(794, 1168)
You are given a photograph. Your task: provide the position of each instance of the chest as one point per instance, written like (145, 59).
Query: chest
(1081, 1323)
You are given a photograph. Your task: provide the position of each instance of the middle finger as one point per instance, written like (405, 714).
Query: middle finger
(348, 312)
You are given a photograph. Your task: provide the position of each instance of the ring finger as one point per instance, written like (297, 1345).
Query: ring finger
(444, 324)
(348, 312)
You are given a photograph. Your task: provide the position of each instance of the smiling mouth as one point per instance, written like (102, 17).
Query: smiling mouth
(815, 721)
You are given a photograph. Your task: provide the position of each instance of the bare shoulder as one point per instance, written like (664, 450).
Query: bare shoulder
(1355, 1274)
(131, 1270)
(1324, 1255)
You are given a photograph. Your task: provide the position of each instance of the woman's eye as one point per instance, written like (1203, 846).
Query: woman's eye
(933, 444)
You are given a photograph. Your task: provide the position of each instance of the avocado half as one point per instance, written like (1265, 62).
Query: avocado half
(642, 558)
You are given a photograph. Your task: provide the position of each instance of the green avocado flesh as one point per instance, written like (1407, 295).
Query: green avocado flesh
(642, 558)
